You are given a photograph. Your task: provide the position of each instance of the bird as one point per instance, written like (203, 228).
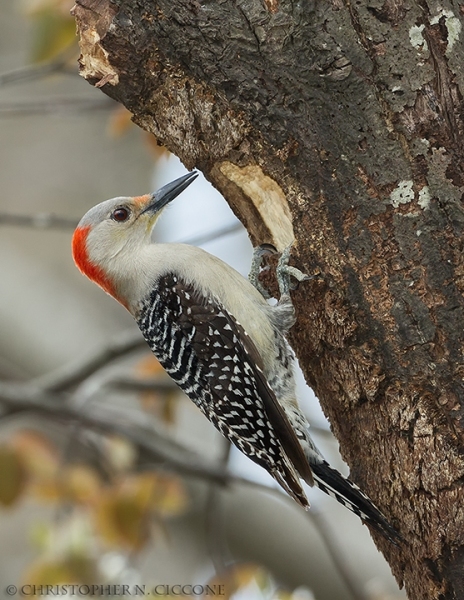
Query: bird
(218, 337)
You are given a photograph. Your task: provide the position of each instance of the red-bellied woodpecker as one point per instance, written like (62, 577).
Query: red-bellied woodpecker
(217, 337)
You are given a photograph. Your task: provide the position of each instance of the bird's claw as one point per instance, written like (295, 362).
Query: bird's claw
(253, 277)
(285, 272)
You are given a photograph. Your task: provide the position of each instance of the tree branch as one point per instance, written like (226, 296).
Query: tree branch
(39, 221)
(71, 374)
(37, 71)
(52, 106)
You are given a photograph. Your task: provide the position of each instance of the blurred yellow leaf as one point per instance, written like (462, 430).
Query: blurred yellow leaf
(161, 404)
(120, 453)
(53, 34)
(49, 479)
(72, 569)
(164, 407)
(41, 461)
(40, 533)
(54, 28)
(169, 495)
(46, 489)
(284, 595)
(32, 7)
(243, 574)
(72, 483)
(13, 475)
(149, 366)
(38, 454)
(123, 513)
(81, 484)
(121, 521)
(240, 576)
(49, 573)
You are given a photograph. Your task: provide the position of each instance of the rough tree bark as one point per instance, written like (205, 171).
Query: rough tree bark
(340, 123)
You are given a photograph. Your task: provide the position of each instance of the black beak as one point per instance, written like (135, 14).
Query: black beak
(168, 192)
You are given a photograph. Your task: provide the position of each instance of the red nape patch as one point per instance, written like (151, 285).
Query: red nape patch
(81, 258)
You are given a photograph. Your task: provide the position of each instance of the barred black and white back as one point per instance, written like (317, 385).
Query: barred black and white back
(211, 357)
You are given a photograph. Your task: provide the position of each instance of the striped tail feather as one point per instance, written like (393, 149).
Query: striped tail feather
(348, 493)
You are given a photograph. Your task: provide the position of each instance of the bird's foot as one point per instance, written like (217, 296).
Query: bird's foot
(285, 273)
(253, 277)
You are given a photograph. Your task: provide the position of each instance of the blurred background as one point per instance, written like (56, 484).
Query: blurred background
(108, 474)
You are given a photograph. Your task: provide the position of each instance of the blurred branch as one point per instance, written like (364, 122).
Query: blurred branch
(10, 370)
(152, 445)
(214, 516)
(31, 72)
(213, 235)
(53, 106)
(72, 374)
(39, 221)
(338, 558)
(44, 397)
(132, 384)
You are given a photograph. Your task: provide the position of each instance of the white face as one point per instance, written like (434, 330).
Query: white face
(121, 225)
(117, 226)
(112, 243)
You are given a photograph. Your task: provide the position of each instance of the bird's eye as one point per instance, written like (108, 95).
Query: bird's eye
(120, 214)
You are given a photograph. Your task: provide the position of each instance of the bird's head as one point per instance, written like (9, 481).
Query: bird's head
(109, 236)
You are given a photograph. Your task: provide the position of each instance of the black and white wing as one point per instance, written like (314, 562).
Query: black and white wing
(210, 356)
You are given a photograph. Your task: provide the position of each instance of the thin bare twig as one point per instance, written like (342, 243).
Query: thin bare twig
(31, 72)
(214, 520)
(68, 375)
(53, 106)
(153, 447)
(213, 235)
(131, 384)
(39, 221)
(338, 557)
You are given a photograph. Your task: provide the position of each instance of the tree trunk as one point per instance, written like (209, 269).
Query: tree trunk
(340, 123)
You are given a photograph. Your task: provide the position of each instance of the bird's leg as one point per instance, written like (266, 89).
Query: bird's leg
(284, 272)
(284, 312)
(256, 261)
